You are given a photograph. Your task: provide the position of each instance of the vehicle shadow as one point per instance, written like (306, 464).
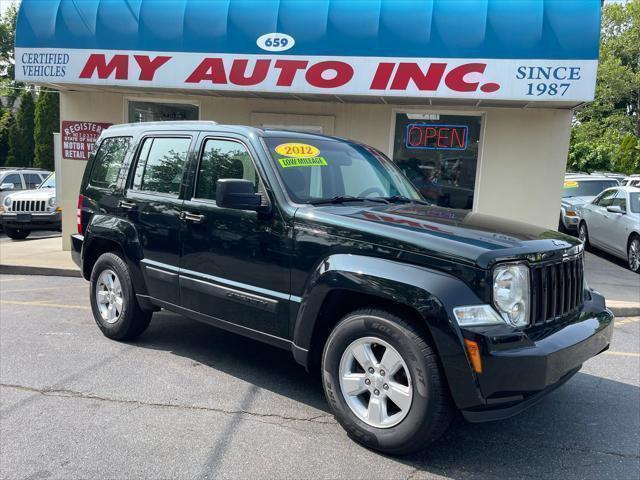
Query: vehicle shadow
(586, 429)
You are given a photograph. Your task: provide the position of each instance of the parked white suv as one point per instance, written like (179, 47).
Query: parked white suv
(28, 210)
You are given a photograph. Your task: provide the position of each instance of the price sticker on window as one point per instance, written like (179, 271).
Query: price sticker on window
(297, 150)
(570, 184)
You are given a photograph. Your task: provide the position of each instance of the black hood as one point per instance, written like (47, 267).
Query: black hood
(439, 231)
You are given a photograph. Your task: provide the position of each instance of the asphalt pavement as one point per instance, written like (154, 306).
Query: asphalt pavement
(187, 400)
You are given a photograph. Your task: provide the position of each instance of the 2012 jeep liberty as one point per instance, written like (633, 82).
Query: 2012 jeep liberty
(321, 246)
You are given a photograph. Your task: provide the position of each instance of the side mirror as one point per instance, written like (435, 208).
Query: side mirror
(615, 209)
(237, 194)
(6, 186)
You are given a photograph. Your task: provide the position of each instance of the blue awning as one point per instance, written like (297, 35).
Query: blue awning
(486, 29)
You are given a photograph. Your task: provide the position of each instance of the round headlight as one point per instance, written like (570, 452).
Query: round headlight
(52, 201)
(511, 293)
(7, 201)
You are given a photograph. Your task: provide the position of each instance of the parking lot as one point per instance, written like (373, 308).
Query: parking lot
(190, 401)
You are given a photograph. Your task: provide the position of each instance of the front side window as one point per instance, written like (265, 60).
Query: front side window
(223, 159)
(108, 161)
(161, 164)
(605, 199)
(620, 200)
(319, 169)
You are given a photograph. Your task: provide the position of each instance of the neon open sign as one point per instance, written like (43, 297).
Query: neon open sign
(436, 137)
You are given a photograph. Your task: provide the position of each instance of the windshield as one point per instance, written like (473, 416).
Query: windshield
(49, 182)
(316, 169)
(586, 188)
(634, 202)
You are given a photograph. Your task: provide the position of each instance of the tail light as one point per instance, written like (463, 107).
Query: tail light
(79, 215)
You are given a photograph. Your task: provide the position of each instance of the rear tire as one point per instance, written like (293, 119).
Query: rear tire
(113, 300)
(17, 233)
(428, 409)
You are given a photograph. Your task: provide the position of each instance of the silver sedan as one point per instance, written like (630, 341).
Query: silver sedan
(611, 222)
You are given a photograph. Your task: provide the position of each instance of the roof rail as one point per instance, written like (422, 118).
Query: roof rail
(163, 123)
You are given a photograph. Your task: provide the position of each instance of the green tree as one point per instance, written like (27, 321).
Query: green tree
(21, 145)
(605, 131)
(47, 120)
(5, 123)
(8, 86)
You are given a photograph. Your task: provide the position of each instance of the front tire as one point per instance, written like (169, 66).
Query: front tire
(384, 384)
(633, 254)
(113, 301)
(17, 233)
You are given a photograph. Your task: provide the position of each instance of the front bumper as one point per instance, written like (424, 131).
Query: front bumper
(519, 368)
(32, 221)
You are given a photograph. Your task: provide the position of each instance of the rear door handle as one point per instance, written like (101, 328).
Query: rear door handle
(192, 217)
(127, 205)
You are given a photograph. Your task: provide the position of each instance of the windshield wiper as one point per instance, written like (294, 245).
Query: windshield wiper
(345, 198)
(401, 199)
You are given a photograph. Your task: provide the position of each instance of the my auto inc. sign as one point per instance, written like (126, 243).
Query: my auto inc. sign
(504, 79)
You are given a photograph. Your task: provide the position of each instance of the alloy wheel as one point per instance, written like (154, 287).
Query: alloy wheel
(375, 382)
(634, 255)
(109, 297)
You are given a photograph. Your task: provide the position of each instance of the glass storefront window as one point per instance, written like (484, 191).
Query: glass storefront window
(439, 154)
(160, 112)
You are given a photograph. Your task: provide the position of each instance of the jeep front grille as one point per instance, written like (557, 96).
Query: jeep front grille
(28, 206)
(557, 289)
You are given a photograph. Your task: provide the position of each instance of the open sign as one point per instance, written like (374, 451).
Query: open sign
(436, 137)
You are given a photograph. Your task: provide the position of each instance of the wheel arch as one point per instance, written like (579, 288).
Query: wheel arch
(345, 283)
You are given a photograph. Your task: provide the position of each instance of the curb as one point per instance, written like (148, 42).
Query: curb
(47, 271)
(625, 311)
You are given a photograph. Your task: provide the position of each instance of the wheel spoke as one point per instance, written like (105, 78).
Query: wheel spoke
(353, 383)
(118, 304)
(364, 355)
(110, 312)
(377, 410)
(391, 361)
(400, 395)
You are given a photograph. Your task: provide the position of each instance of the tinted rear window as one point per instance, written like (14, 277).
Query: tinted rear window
(108, 161)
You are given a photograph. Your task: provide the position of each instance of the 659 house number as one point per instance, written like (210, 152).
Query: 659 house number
(551, 81)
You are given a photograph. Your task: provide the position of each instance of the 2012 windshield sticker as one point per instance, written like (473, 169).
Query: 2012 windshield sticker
(302, 162)
(300, 150)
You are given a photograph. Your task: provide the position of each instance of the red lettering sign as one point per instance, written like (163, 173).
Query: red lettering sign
(78, 138)
(436, 137)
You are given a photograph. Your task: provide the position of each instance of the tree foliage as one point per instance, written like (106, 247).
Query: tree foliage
(21, 144)
(606, 133)
(5, 123)
(8, 86)
(47, 119)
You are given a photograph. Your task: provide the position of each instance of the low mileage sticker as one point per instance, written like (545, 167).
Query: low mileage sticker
(302, 162)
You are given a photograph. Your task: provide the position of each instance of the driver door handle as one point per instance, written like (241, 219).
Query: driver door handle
(192, 217)
(127, 205)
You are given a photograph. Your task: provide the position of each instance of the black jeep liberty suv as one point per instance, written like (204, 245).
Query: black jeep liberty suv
(321, 246)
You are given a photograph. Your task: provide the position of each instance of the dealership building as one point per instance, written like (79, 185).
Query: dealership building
(473, 99)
